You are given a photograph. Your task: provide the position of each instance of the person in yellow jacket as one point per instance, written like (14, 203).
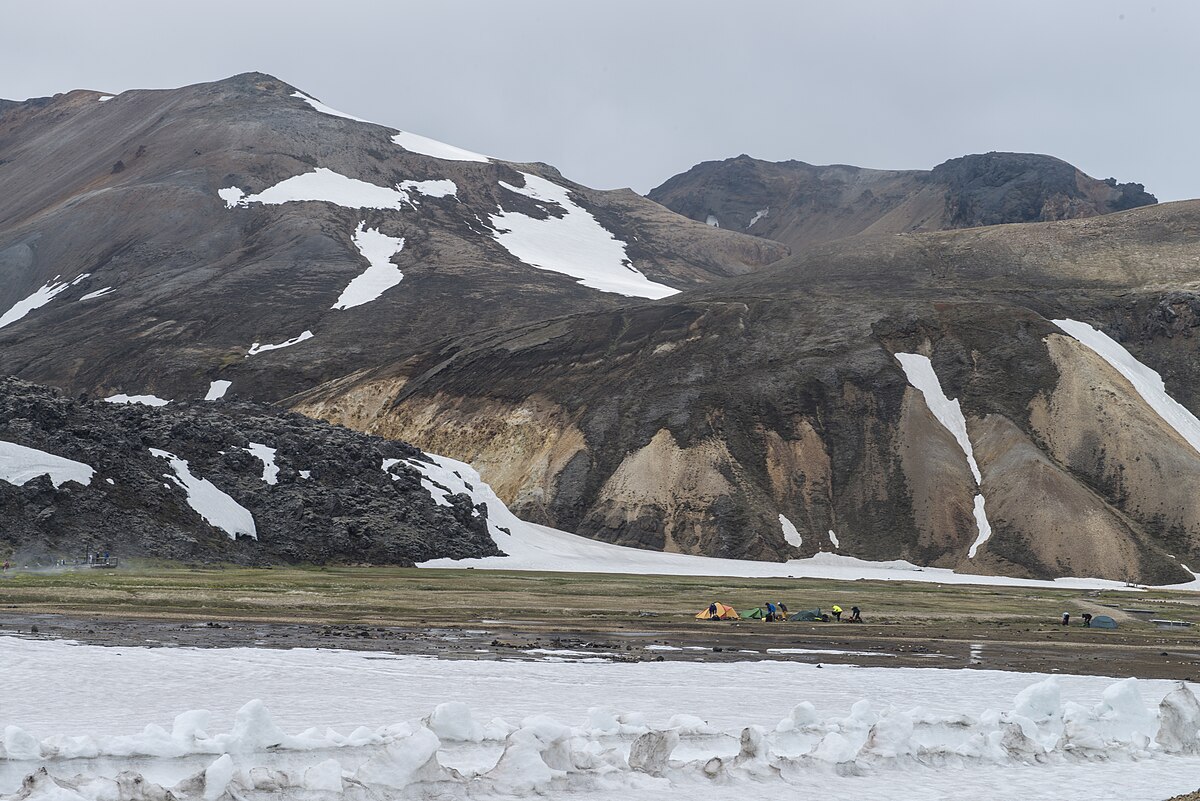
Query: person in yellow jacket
(837, 613)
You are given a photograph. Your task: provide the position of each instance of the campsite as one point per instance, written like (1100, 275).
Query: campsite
(458, 614)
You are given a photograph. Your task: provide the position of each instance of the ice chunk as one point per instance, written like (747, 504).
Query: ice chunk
(20, 744)
(452, 722)
(405, 761)
(651, 752)
(19, 465)
(217, 777)
(1039, 702)
(891, 736)
(1179, 722)
(324, 777)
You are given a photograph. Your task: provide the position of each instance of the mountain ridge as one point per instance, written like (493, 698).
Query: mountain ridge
(801, 204)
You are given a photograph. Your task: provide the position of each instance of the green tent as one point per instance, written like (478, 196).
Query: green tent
(809, 615)
(757, 613)
(1103, 622)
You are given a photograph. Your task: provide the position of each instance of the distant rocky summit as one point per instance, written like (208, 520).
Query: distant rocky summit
(214, 482)
(801, 204)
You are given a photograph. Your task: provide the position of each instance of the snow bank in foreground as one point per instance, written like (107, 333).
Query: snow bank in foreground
(920, 373)
(380, 275)
(20, 465)
(573, 243)
(218, 509)
(532, 547)
(1147, 382)
(927, 731)
(415, 143)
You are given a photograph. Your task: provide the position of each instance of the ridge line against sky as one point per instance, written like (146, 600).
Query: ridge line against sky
(623, 93)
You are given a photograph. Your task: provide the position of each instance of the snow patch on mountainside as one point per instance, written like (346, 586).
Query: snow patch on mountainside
(790, 534)
(218, 509)
(920, 373)
(573, 244)
(258, 347)
(380, 275)
(326, 186)
(144, 400)
(38, 299)
(323, 185)
(1147, 382)
(758, 215)
(217, 390)
(270, 473)
(324, 109)
(442, 187)
(415, 143)
(99, 293)
(20, 465)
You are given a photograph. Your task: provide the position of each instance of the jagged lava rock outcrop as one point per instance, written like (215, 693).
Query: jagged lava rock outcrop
(322, 497)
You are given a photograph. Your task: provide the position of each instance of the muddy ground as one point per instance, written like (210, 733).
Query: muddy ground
(1049, 648)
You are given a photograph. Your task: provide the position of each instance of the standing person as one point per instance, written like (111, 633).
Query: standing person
(712, 611)
(1066, 618)
(855, 616)
(783, 613)
(837, 613)
(770, 612)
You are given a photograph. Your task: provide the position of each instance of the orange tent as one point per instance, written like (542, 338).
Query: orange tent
(723, 613)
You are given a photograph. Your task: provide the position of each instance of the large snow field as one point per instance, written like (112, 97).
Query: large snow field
(534, 547)
(573, 243)
(583, 730)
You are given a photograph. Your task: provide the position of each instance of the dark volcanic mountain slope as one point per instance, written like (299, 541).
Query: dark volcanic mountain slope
(801, 204)
(321, 497)
(148, 242)
(695, 422)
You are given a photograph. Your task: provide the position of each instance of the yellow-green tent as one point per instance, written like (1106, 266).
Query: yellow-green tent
(723, 613)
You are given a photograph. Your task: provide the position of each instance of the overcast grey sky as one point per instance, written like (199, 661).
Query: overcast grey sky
(629, 92)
